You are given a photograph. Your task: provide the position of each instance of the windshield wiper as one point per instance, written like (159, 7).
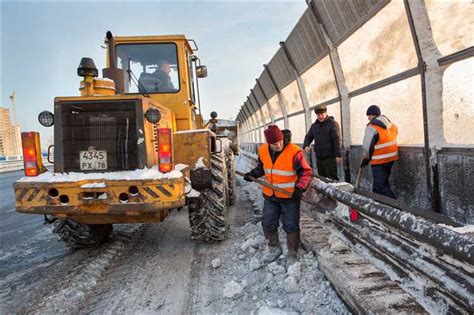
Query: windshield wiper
(132, 77)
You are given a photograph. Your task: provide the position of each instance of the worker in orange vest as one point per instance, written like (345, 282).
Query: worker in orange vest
(380, 149)
(283, 164)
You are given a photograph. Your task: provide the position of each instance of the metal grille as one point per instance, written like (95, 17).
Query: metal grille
(341, 17)
(306, 43)
(100, 126)
(101, 132)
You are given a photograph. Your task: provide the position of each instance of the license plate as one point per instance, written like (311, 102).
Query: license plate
(93, 160)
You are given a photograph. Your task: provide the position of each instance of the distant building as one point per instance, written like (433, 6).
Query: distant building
(10, 139)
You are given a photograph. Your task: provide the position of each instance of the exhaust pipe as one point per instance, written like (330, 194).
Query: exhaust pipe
(112, 72)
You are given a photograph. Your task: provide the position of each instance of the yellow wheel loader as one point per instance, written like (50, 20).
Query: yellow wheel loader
(131, 147)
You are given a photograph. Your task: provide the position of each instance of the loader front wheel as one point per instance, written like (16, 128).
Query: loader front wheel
(210, 221)
(79, 235)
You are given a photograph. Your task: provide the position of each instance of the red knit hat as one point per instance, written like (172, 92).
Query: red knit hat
(273, 134)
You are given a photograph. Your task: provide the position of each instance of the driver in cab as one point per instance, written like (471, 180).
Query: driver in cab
(158, 81)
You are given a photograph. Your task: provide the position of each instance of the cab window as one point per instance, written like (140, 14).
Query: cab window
(155, 67)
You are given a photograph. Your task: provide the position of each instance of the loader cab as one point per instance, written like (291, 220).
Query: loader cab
(162, 68)
(154, 68)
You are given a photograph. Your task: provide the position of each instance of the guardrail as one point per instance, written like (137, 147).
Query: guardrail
(431, 261)
(16, 165)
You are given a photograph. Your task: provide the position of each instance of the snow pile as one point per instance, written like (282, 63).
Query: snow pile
(244, 285)
(276, 269)
(233, 290)
(254, 193)
(253, 240)
(265, 310)
(180, 167)
(295, 270)
(336, 244)
(228, 133)
(138, 174)
(94, 185)
(467, 229)
(255, 288)
(226, 143)
(216, 263)
(252, 190)
(200, 163)
(193, 193)
(226, 123)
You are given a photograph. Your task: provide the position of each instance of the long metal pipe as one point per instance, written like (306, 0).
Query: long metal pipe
(449, 242)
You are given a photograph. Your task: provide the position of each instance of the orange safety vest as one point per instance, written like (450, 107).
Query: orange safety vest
(281, 174)
(386, 148)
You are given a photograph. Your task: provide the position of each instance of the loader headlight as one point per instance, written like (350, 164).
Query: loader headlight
(153, 115)
(46, 118)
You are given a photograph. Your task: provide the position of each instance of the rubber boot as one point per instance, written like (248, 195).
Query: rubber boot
(293, 240)
(273, 249)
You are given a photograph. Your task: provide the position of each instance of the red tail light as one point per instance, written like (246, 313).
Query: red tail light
(165, 157)
(31, 153)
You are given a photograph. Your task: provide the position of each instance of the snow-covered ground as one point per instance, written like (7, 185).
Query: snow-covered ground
(168, 273)
(157, 268)
(252, 287)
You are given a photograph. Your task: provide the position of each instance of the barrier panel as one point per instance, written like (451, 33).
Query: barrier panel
(414, 59)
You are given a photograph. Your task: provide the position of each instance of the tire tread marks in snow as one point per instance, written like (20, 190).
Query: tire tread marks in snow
(210, 222)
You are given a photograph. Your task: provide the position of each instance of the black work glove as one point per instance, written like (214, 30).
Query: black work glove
(297, 194)
(247, 177)
(364, 163)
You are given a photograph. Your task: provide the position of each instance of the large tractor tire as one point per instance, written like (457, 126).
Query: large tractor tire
(231, 186)
(78, 235)
(210, 221)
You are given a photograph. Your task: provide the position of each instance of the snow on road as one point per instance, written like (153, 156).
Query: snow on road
(166, 272)
(161, 270)
(247, 286)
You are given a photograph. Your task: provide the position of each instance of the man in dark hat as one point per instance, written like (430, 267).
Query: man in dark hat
(284, 166)
(380, 149)
(326, 134)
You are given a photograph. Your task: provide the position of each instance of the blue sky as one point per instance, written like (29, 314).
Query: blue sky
(43, 42)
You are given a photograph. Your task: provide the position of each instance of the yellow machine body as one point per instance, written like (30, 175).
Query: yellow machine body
(154, 198)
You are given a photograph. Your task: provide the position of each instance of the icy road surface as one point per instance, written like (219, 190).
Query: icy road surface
(157, 268)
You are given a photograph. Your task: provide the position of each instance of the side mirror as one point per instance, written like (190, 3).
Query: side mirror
(201, 71)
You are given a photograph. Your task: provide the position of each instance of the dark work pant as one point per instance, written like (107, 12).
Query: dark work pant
(327, 168)
(381, 173)
(289, 211)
